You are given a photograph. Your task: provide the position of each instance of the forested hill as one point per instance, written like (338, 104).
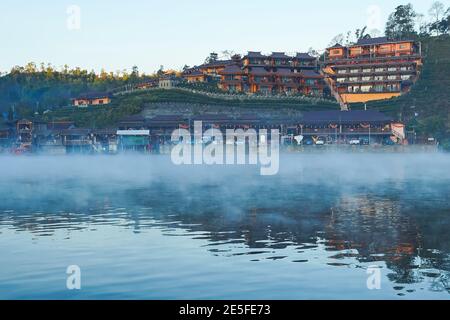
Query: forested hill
(426, 108)
(31, 89)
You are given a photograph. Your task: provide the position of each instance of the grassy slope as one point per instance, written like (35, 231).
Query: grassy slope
(430, 96)
(134, 103)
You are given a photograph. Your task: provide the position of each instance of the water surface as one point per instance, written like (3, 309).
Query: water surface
(141, 228)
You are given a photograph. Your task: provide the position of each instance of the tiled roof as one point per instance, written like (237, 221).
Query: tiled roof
(193, 73)
(284, 71)
(259, 71)
(93, 95)
(376, 41)
(76, 132)
(357, 116)
(60, 125)
(133, 118)
(217, 63)
(254, 54)
(170, 117)
(337, 45)
(279, 55)
(304, 56)
(372, 41)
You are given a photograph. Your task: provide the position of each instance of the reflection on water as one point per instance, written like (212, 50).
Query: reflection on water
(142, 228)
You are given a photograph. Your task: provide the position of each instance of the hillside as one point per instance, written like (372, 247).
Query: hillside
(29, 89)
(426, 109)
(172, 101)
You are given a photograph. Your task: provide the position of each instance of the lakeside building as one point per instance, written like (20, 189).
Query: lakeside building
(6, 136)
(92, 99)
(151, 134)
(332, 127)
(372, 69)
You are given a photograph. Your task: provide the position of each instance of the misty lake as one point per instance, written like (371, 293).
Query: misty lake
(141, 228)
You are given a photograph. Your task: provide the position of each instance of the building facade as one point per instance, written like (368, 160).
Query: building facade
(92, 99)
(209, 72)
(275, 74)
(372, 69)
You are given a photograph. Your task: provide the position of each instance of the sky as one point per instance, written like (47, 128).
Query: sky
(116, 35)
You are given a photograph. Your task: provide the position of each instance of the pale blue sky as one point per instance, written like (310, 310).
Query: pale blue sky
(116, 35)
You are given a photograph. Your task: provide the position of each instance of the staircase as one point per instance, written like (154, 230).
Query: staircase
(336, 95)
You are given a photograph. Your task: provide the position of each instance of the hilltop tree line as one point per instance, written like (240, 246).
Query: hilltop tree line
(405, 23)
(32, 89)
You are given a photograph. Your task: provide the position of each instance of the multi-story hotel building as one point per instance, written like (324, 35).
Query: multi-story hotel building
(209, 71)
(372, 69)
(277, 73)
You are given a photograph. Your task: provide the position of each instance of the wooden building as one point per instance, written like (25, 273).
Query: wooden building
(209, 72)
(275, 74)
(92, 99)
(372, 69)
(334, 127)
(168, 82)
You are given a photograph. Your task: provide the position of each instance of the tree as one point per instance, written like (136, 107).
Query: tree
(339, 39)
(314, 53)
(228, 54)
(401, 23)
(441, 26)
(160, 72)
(423, 26)
(11, 114)
(212, 57)
(361, 34)
(135, 71)
(436, 13)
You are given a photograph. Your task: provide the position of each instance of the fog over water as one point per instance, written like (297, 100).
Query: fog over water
(140, 227)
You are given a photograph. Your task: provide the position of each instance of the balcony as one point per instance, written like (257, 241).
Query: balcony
(361, 81)
(362, 73)
(371, 58)
(384, 90)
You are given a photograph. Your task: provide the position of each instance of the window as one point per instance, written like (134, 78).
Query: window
(379, 88)
(342, 71)
(367, 70)
(340, 79)
(354, 70)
